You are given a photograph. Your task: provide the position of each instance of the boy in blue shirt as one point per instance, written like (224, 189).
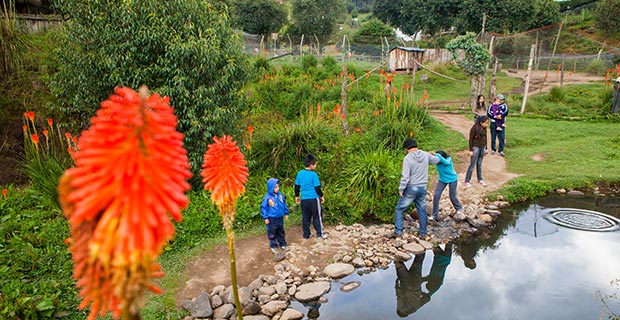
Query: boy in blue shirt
(447, 177)
(308, 184)
(274, 210)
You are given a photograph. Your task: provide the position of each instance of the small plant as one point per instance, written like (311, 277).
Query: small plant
(46, 156)
(556, 94)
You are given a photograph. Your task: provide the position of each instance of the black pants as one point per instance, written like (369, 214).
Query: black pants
(311, 212)
(275, 232)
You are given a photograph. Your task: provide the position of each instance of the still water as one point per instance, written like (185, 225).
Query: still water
(526, 268)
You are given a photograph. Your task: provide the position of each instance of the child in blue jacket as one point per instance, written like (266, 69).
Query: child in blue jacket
(274, 210)
(447, 177)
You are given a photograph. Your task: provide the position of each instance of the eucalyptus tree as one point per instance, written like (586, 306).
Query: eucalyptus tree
(606, 18)
(316, 17)
(184, 49)
(260, 16)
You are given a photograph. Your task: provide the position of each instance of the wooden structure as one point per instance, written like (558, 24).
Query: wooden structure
(402, 59)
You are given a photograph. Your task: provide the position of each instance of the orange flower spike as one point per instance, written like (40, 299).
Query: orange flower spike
(411, 134)
(50, 122)
(35, 139)
(30, 115)
(5, 192)
(224, 171)
(25, 128)
(46, 133)
(129, 179)
(250, 129)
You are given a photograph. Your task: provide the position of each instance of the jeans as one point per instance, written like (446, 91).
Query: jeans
(439, 190)
(476, 160)
(418, 196)
(499, 135)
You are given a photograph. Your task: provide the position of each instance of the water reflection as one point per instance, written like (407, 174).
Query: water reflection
(412, 289)
(518, 270)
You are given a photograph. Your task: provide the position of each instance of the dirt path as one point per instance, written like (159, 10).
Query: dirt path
(253, 255)
(538, 83)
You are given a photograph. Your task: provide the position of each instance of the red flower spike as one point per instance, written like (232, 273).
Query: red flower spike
(35, 138)
(224, 171)
(50, 122)
(30, 115)
(4, 193)
(129, 179)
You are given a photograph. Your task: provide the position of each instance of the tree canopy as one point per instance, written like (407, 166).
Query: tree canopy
(316, 17)
(183, 49)
(606, 17)
(260, 16)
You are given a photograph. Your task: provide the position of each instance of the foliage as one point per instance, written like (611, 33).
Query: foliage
(606, 18)
(46, 156)
(316, 17)
(372, 178)
(429, 16)
(373, 32)
(476, 55)
(259, 16)
(388, 11)
(506, 16)
(556, 94)
(581, 101)
(35, 277)
(184, 49)
(14, 45)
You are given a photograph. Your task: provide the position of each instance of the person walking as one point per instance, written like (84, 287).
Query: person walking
(497, 113)
(447, 177)
(414, 178)
(274, 210)
(308, 193)
(477, 144)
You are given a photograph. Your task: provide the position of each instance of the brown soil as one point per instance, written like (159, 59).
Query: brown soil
(253, 257)
(543, 81)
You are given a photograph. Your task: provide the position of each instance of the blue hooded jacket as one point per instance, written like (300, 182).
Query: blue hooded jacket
(445, 170)
(274, 204)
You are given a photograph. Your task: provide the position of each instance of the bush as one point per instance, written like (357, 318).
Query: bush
(556, 94)
(309, 62)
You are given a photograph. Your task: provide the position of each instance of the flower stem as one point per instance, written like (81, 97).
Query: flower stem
(230, 234)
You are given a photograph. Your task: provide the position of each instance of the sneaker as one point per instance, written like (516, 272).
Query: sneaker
(274, 250)
(482, 183)
(394, 235)
(492, 152)
(323, 236)
(467, 184)
(459, 212)
(284, 248)
(502, 154)
(486, 151)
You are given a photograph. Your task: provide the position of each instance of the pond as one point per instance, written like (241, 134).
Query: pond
(525, 268)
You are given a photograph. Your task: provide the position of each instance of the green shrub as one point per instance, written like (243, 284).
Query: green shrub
(309, 62)
(556, 94)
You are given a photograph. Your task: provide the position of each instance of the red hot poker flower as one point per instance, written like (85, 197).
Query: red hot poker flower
(224, 171)
(50, 122)
(30, 115)
(130, 177)
(4, 193)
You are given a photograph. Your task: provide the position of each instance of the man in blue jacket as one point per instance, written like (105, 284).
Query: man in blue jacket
(497, 112)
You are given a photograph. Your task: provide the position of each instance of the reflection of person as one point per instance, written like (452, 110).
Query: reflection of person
(497, 113)
(441, 260)
(414, 178)
(477, 144)
(408, 285)
(274, 210)
(307, 184)
(468, 253)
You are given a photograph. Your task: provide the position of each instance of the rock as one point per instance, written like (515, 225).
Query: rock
(560, 190)
(280, 287)
(273, 307)
(358, 262)
(350, 286)
(460, 217)
(292, 290)
(199, 307)
(224, 312)
(250, 307)
(338, 270)
(427, 245)
(256, 284)
(256, 317)
(269, 290)
(216, 301)
(575, 193)
(413, 248)
(493, 213)
(312, 291)
(402, 256)
(291, 314)
(486, 218)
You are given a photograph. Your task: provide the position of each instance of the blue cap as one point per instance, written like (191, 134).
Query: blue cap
(501, 97)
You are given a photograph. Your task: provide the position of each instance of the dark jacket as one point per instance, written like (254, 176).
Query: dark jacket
(477, 136)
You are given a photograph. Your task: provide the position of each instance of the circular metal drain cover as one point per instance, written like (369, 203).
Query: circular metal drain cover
(583, 219)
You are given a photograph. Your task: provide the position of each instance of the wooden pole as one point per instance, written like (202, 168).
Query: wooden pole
(528, 76)
(301, 46)
(415, 67)
(562, 73)
(555, 46)
(343, 100)
(493, 81)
